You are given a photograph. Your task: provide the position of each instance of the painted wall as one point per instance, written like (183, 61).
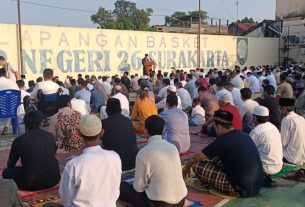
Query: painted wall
(289, 8)
(70, 51)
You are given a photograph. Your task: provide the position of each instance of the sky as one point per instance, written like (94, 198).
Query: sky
(38, 15)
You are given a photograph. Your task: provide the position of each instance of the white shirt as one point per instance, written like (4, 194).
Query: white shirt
(7, 84)
(92, 179)
(107, 87)
(20, 110)
(293, 138)
(186, 100)
(47, 87)
(163, 92)
(238, 102)
(124, 103)
(267, 139)
(80, 106)
(198, 115)
(237, 82)
(247, 107)
(90, 87)
(158, 172)
(253, 84)
(162, 104)
(222, 92)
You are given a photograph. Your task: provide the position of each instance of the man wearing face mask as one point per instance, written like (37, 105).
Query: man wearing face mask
(231, 164)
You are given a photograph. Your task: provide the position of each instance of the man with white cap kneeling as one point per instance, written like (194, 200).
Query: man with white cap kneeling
(162, 104)
(93, 178)
(267, 139)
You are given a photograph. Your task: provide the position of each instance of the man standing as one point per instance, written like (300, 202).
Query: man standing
(93, 178)
(240, 172)
(158, 178)
(176, 124)
(292, 133)
(11, 73)
(148, 65)
(267, 139)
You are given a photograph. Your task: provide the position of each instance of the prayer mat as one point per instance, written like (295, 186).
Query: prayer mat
(285, 169)
(189, 202)
(41, 198)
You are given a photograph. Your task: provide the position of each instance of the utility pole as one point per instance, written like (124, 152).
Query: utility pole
(199, 31)
(20, 38)
(237, 3)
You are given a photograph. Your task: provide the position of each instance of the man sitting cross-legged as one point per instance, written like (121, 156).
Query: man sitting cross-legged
(36, 149)
(231, 164)
(158, 178)
(93, 178)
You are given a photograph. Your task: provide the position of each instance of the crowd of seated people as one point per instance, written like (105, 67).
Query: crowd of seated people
(257, 115)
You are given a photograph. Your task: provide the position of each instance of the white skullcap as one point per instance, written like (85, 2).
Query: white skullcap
(90, 125)
(144, 77)
(225, 98)
(260, 111)
(202, 74)
(172, 89)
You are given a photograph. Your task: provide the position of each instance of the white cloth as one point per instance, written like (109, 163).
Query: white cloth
(163, 92)
(7, 84)
(186, 100)
(80, 106)
(238, 102)
(64, 91)
(92, 179)
(267, 139)
(222, 92)
(20, 110)
(198, 115)
(293, 138)
(47, 87)
(124, 103)
(253, 84)
(247, 107)
(90, 87)
(107, 87)
(237, 82)
(158, 171)
(162, 104)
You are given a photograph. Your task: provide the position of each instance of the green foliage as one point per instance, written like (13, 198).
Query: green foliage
(181, 19)
(247, 20)
(125, 16)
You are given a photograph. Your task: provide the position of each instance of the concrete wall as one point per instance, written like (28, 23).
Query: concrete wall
(70, 51)
(289, 8)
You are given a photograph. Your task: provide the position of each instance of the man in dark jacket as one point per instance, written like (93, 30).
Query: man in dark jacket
(271, 103)
(119, 134)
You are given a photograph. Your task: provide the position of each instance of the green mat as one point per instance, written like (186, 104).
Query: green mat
(286, 169)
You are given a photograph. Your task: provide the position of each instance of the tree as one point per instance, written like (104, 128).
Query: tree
(125, 16)
(247, 20)
(180, 19)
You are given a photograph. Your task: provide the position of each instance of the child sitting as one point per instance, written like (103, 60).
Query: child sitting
(197, 114)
